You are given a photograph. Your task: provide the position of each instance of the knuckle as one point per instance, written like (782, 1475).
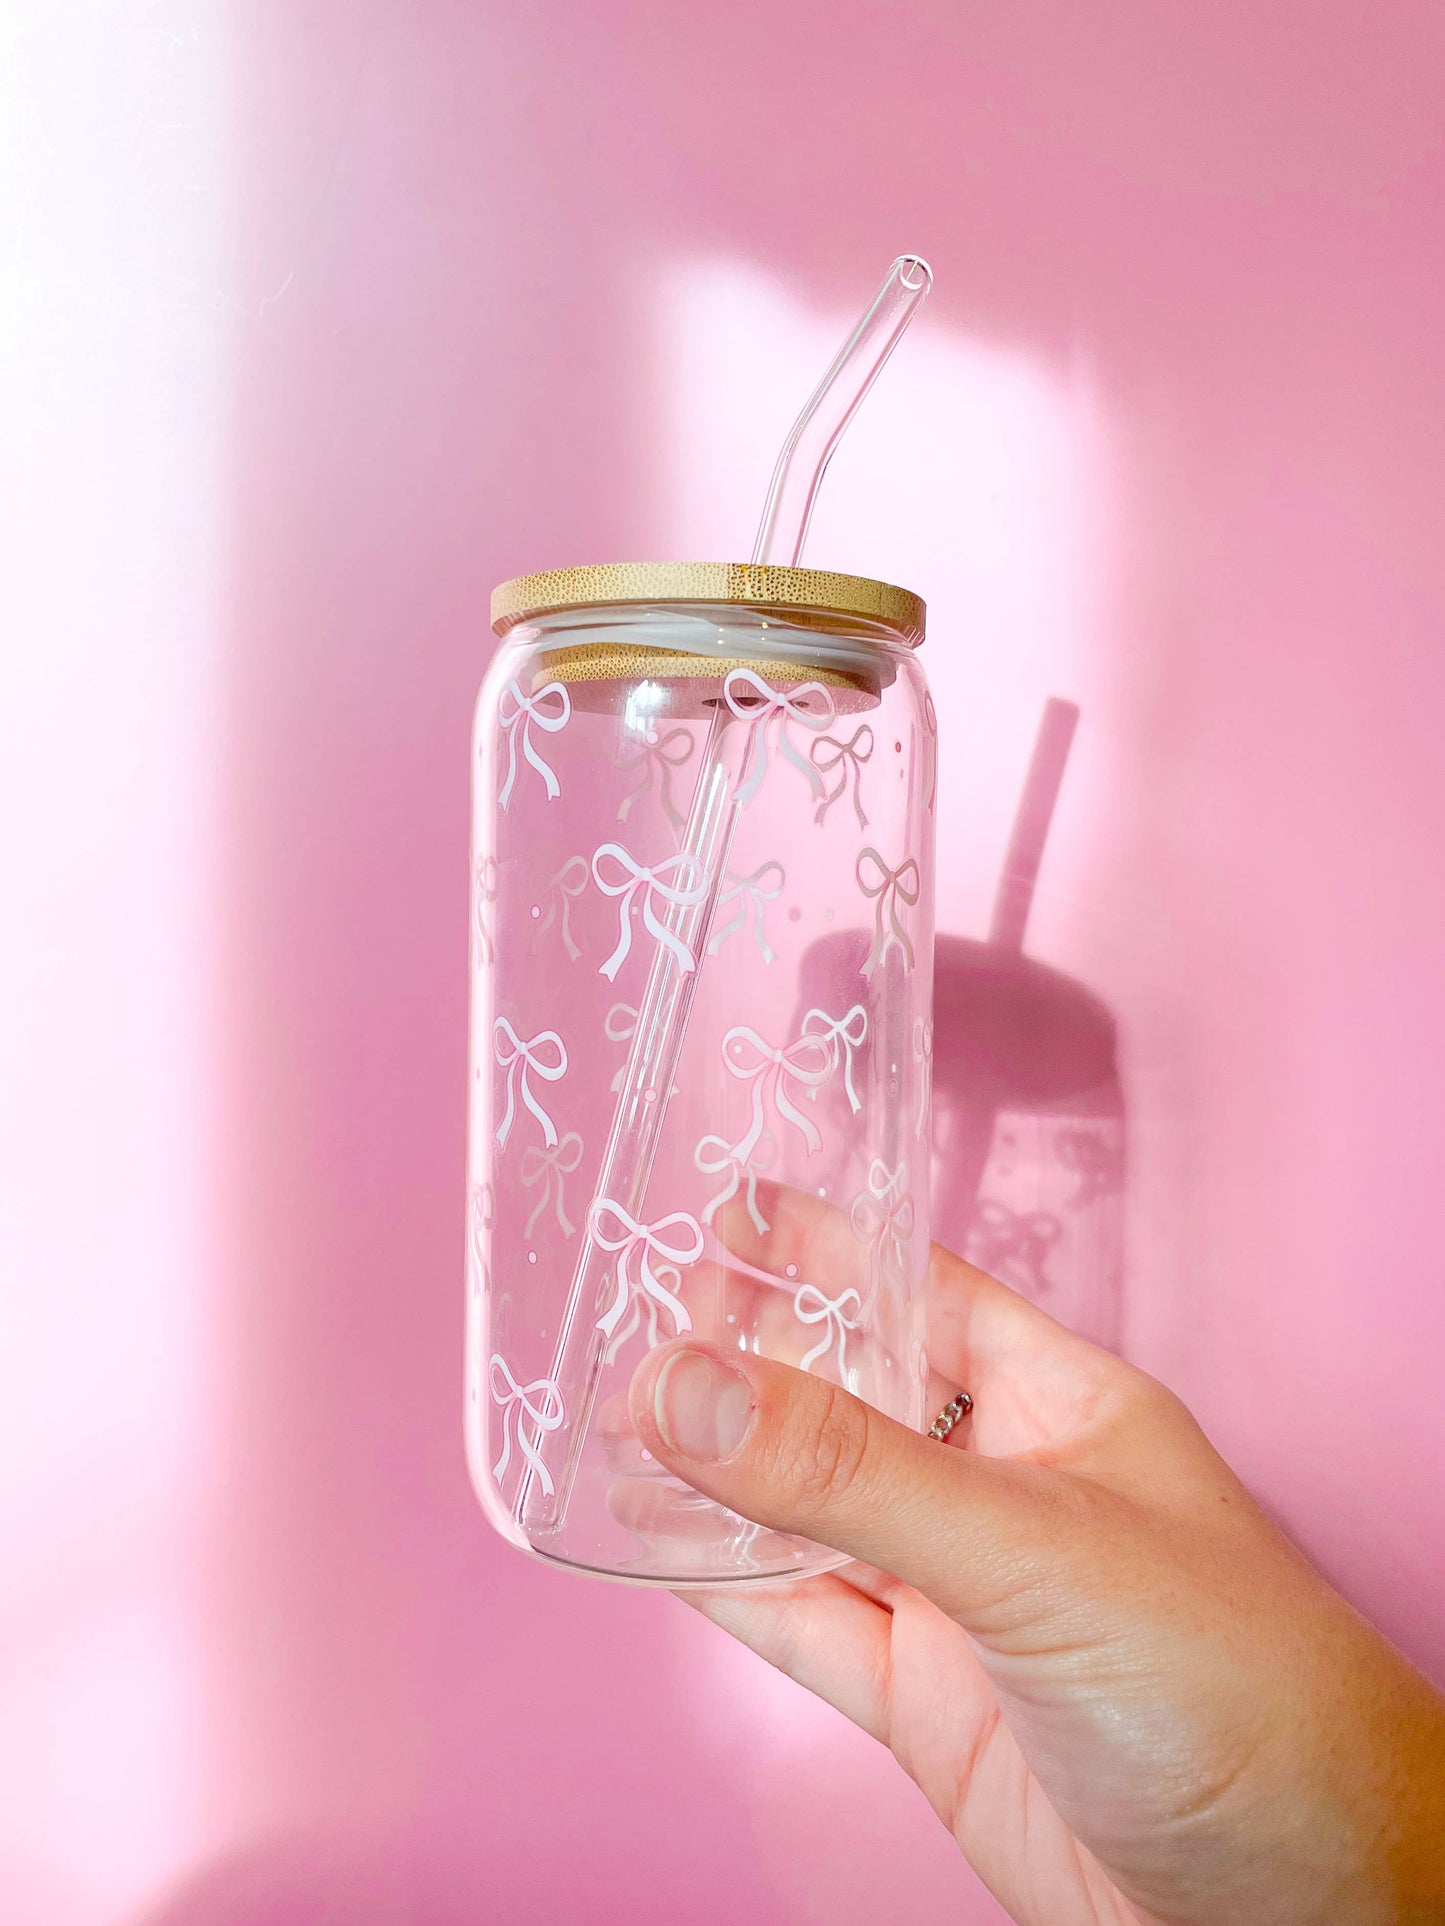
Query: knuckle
(1153, 1403)
(1122, 1390)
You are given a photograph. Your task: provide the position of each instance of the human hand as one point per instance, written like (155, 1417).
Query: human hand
(1118, 1684)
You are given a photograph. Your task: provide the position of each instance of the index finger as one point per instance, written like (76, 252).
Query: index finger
(976, 1325)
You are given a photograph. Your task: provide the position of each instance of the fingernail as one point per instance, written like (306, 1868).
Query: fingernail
(702, 1406)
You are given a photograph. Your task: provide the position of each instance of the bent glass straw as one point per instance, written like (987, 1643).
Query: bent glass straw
(662, 1019)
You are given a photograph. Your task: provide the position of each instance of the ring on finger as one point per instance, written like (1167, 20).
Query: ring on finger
(950, 1417)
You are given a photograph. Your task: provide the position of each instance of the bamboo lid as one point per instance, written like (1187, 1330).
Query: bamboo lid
(802, 597)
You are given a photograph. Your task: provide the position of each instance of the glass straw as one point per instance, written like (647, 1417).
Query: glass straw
(631, 1148)
(804, 457)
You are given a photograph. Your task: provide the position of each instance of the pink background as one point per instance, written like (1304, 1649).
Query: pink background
(324, 318)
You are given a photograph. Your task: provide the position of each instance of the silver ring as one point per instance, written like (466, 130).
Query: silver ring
(951, 1416)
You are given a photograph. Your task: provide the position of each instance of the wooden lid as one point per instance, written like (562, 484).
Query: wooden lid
(804, 597)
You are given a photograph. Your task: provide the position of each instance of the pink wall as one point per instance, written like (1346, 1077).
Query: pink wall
(329, 317)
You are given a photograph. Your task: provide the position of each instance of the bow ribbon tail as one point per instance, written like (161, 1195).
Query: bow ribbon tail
(504, 795)
(644, 777)
(550, 1172)
(549, 1129)
(534, 1457)
(720, 936)
(622, 1280)
(894, 937)
(810, 1358)
(846, 1324)
(619, 956)
(907, 888)
(565, 1222)
(615, 1343)
(504, 1128)
(882, 939)
(658, 1291)
(559, 903)
(812, 1136)
(760, 1223)
(539, 1206)
(855, 1102)
(543, 768)
(820, 814)
(844, 1044)
(506, 1454)
(569, 942)
(765, 948)
(816, 785)
(900, 935)
(757, 762)
(710, 1210)
(670, 809)
(669, 939)
(743, 1149)
(857, 795)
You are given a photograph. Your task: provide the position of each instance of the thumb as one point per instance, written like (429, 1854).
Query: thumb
(799, 1454)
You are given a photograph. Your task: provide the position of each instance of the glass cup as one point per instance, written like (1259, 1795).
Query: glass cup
(702, 956)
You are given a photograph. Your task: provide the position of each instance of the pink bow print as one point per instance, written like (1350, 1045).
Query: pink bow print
(686, 889)
(551, 710)
(639, 1243)
(772, 711)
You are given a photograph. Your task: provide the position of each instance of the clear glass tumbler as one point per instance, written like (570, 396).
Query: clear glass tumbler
(702, 960)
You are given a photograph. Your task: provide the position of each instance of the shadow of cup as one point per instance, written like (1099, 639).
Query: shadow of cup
(1028, 1132)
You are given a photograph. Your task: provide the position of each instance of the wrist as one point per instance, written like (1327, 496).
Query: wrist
(1410, 1856)
(1394, 1750)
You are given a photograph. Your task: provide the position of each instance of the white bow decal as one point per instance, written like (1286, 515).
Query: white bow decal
(753, 700)
(834, 1318)
(620, 1026)
(655, 760)
(644, 1312)
(887, 888)
(548, 1168)
(519, 1060)
(562, 892)
(685, 891)
(748, 893)
(847, 758)
(546, 1412)
(642, 1242)
(714, 1157)
(883, 1219)
(806, 1064)
(550, 709)
(844, 1035)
